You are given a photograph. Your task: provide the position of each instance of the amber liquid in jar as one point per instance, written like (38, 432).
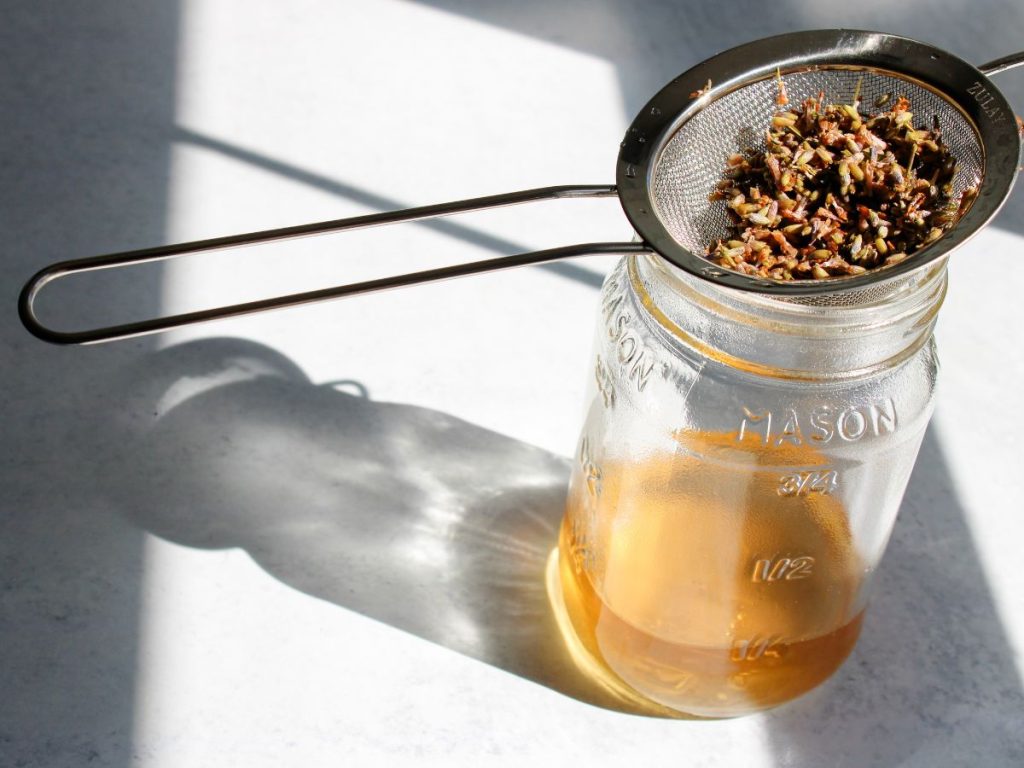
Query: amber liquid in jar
(716, 581)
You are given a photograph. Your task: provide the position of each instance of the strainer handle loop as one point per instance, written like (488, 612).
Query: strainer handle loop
(1002, 64)
(53, 272)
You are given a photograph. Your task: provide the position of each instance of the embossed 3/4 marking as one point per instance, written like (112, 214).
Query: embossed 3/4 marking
(756, 647)
(783, 568)
(824, 482)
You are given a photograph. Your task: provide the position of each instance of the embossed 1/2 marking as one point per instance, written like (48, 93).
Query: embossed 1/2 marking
(756, 647)
(823, 482)
(784, 568)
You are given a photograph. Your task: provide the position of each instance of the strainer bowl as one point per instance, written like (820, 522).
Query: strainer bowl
(675, 151)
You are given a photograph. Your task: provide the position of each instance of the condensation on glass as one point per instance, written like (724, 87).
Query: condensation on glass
(736, 481)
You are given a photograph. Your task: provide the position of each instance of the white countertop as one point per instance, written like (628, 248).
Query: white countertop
(317, 537)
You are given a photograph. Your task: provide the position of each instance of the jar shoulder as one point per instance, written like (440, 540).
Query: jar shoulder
(643, 368)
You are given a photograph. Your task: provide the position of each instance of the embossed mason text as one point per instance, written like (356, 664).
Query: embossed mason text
(818, 426)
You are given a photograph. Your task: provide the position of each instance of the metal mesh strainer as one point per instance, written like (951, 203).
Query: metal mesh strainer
(676, 150)
(673, 156)
(692, 160)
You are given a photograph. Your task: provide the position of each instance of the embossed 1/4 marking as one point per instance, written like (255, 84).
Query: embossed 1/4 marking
(583, 515)
(667, 676)
(584, 558)
(784, 568)
(823, 482)
(756, 647)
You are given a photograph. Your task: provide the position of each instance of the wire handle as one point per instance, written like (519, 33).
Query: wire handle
(26, 300)
(1002, 64)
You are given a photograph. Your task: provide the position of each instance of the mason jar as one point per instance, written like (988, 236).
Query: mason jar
(737, 478)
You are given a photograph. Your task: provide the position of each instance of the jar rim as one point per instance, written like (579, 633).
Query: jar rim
(922, 293)
(741, 330)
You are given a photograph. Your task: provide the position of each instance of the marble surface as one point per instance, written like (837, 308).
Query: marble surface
(318, 537)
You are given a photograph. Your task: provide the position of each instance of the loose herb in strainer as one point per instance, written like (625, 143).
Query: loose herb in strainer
(835, 192)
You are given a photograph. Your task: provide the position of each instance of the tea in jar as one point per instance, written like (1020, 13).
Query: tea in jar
(736, 481)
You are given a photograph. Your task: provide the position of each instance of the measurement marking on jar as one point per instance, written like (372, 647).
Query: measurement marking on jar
(823, 482)
(819, 426)
(676, 679)
(591, 470)
(756, 647)
(584, 559)
(605, 382)
(783, 569)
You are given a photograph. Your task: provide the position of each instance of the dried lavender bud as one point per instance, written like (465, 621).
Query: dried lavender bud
(836, 193)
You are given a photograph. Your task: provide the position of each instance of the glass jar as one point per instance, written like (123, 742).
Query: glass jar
(737, 478)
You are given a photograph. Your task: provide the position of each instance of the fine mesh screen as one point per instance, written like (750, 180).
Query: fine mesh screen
(693, 160)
